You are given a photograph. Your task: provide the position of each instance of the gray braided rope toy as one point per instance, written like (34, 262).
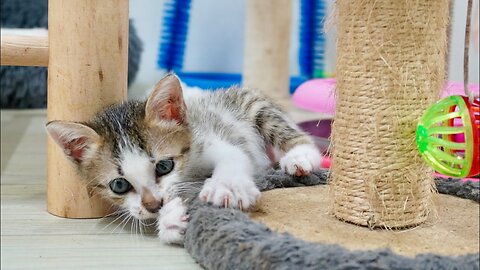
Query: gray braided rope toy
(219, 238)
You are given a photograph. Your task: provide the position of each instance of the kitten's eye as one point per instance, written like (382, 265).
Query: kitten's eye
(120, 186)
(164, 167)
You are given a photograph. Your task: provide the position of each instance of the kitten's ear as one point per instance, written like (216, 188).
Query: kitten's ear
(166, 101)
(77, 141)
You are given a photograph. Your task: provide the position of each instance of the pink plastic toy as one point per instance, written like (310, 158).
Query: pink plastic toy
(318, 95)
(326, 162)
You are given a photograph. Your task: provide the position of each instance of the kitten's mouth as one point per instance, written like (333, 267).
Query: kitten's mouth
(146, 215)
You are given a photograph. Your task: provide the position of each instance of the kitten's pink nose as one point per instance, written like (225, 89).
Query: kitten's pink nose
(153, 206)
(150, 202)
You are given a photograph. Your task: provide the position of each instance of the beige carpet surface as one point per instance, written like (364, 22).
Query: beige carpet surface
(304, 212)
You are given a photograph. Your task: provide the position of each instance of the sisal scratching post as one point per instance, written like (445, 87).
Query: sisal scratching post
(87, 71)
(390, 67)
(267, 41)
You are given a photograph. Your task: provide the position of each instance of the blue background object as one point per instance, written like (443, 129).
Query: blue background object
(172, 50)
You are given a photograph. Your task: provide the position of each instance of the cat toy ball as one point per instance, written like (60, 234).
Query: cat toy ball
(448, 136)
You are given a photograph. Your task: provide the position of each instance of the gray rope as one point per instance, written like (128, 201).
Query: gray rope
(219, 238)
(451, 186)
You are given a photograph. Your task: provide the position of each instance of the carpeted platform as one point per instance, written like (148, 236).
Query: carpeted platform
(229, 239)
(305, 213)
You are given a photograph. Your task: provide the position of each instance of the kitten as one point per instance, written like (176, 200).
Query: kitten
(144, 156)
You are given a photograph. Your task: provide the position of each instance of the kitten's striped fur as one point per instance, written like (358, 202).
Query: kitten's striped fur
(216, 139)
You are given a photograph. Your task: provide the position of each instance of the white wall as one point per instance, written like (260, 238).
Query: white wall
(458, 35)
(216, 39)
(147, 18)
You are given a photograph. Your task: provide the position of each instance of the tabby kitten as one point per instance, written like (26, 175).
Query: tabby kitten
(144, 156)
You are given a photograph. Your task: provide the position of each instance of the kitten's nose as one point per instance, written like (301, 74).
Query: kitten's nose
(153, 206)
(150, 202)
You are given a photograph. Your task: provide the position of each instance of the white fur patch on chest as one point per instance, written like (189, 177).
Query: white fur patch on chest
(137, 168)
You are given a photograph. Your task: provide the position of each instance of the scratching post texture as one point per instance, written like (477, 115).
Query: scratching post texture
(267, 40)
(88, 42)
(390, 67)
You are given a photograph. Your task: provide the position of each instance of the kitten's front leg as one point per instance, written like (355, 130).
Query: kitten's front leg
(301, 156)
(301, 160)
(231, 184)
(172, 222)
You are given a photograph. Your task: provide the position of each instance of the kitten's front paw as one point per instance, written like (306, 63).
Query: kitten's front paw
(230, 191)
(301, 160)
(172, 222)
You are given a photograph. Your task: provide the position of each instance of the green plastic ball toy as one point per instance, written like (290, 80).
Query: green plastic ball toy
(448, 136)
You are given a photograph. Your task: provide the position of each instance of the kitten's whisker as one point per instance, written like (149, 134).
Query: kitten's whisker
(132, 228)
(144, 228)
(150, 224)
(119, 211)
(120, 216)
(130, 218)
(186, 183)
(141, 227)
(186, 189)
(136, 227)
(189, 187)
(125, 221)
(195, 186)
(134, 223)
(119, 224)
(96, 178)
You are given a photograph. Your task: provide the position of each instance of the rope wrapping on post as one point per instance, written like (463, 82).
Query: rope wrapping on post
(390, 67)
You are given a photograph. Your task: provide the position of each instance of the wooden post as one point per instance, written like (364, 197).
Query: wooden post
(267, 39)
(88, 42)
(24, 50)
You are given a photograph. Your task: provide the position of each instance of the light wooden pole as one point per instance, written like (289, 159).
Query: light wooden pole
(266, 53)
(87, 71)
(23, 49)
(86, 52)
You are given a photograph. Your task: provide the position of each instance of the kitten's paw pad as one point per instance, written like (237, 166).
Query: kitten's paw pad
(237, 192)
(172, 222)
(301, 160)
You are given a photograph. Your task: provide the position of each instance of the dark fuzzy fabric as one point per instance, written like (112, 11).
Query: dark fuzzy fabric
(467, 190)
(219, 238)
(279, 179)
(24, 13)
(451, 186)
(23, 87)
(26, 87)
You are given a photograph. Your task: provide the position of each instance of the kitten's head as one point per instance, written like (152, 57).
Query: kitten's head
(131, 153)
